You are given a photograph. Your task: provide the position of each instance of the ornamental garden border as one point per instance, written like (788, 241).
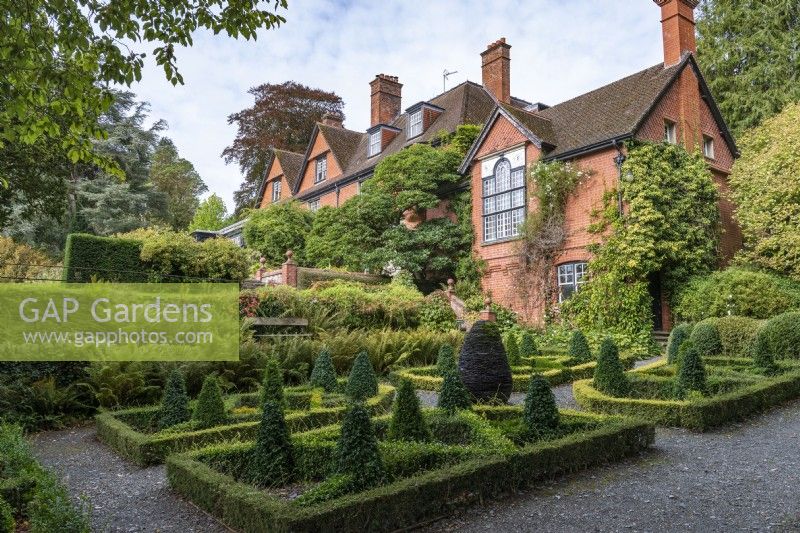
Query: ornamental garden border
(118, 430)
(750, 397)
(410, 500)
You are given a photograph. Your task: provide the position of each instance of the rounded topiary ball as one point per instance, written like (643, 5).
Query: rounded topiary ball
(483, 364)
(705, 338)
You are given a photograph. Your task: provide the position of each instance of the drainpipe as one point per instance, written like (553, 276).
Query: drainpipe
(619, 160)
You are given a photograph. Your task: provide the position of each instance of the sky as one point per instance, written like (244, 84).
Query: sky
(559, 49)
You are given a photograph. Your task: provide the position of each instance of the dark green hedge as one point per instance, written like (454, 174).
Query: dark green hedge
(88, 257)
(412, 500)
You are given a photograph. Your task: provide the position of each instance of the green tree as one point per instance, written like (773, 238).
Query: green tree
(210, 408)
(272, 457)
(748, 53)
(277, 228)
(407, 422)
(528, 346)
(691, 371)
(272, 385)
(211, 214)
(512, 349)
(579, 347)
(357, 453)
(540, 411)
(324, 374)
(177, 179)
(454, 396)
(446, 360)
(362, 382)
(677, 336)
(175, 403)
(609, 375)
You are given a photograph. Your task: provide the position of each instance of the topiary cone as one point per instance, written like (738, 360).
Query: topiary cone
(677, 336)
(453, 396)
(483, 364)
(210, 408)
(512, 349)
(357, 451)
(272, 457)
(272, 386)
(691, 372)
(175, 404)
(362, 383)
(407, 422)
(528, 348)
(609, 374)
(446, 360)
(324, 373)
(540, 412)
(579, 347)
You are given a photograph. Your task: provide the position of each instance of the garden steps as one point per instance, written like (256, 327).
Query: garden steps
(661, 337)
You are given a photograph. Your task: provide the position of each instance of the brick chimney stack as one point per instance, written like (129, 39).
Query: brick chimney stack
(385, 99)
(677, 28)
(333, 119)
(496, 70)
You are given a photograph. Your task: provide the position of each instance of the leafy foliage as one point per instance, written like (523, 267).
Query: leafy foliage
(454, 395)
(609, 374)
(210, 409)
(324, 374)
(691, 371)
(705, 338)
(272, 459)
(272, 386)
(781, 335)
(763, 358)
(362, 382)
(677, 337)
(579, 347)
(540, 411)
(528, 347)
(512, 349)
(7, 522)
(446, 360)
(277, 228)
(436, 313)
(211, 214)
(407, 422)
(175, 403)
(19, 261)
(178, 180)
(357, 452)
(737, 335)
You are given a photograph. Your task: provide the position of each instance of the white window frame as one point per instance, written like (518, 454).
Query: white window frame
(570, 276)
(276, 190)
(321, 169)
(708, 146)
(375, 143)
(670, 131)
(314, 204)
(415, 124)
(504, 202)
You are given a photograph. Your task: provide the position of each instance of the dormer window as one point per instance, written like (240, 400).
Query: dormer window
(321, 169)
(670, 132)
(375, 143)
(415, 123)
(276, 190)
(420, 116)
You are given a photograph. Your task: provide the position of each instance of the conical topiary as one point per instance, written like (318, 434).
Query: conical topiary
(763, 358)
(454, 396)
(691, 371)
(272, 386)
(677, 336)
(272, 457)
(579, 349)
(446, 359)
(540, 412)
(528, 348)
(175, 404)
(512, 349)
(362, 383)
(706, 339)
(210, 409)
(324, 374)
(483, 364)
(407, 421)
(609, 375)
(357, 451)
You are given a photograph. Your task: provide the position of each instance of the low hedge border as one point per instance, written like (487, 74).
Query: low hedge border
(144, 449)
(421, 380)
(412, 500)
(701, 414)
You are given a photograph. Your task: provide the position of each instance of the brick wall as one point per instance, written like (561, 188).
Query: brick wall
(275, 174)
(319, 147)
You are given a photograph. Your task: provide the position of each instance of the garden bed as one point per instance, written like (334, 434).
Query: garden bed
(472, 456)
(132, 432)
(735, 391)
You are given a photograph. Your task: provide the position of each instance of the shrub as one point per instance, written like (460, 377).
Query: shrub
(763, 358)
(324, 374)
(220, 258)
(19, 261)
(454, 395)
(272, 457)
(736, 335)
(51, 509)
(357, 452)
(272, 386)
(540, 412)
(175, 404)
(407, 422)
(528, 348)
(210, 409)
(609, 374)
(436, 313)
(579, 347)
(705, 338)
(278, 228)
(103, 258)
(7, 523)
(362, 383)
(446, 360)
(483, 363)
(677, 336)
(512, 349)
(691, 371)
(782, 335)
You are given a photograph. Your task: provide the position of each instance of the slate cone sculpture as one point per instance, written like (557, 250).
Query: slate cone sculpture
(483, 364)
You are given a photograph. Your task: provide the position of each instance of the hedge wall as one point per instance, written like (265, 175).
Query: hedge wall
(103, 258)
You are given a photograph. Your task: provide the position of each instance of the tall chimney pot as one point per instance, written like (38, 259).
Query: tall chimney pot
(496, 70)
(385, 95)
(677, 29)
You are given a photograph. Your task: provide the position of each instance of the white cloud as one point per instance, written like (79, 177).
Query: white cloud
(560, 48)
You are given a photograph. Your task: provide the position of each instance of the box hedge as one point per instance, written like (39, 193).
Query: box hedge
(88, 257)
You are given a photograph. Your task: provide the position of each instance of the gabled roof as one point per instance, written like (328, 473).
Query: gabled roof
(343, 144)
(290, 165)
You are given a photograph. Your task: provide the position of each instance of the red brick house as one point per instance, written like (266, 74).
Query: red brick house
(669, 101)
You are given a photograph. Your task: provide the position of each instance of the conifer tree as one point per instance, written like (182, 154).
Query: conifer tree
(446, 359)
(691, 371)
(324, 373)
(407, 421)
(272, 386)
(210, 408)
(609, 375)
(272, 457)
(677, 336)
(579, 347)
(362, 383)
(528, 348)
(175, 404)
(540, 412)
(454, 396)
(357, 451)
(512, 349)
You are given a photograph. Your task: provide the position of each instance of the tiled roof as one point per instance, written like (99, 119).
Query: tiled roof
(541, 127)
(290, 164)
(342, 142)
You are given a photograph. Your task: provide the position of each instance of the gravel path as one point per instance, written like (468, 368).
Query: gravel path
(123, 496)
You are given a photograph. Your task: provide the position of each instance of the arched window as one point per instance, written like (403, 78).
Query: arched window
(503, 201)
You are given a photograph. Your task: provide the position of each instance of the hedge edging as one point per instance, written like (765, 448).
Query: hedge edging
(146, 450)
(411, 500)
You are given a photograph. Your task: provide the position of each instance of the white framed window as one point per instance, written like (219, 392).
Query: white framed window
(313, 205)
(503, 202)
(708, 147)
(570, 278)
(321, 169)
(374, 143)
(415, 124)
(276, 190)
(670, 132)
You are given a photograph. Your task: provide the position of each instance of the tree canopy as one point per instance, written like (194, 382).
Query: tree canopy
(211, 214)
(277, 228)
(177, 179)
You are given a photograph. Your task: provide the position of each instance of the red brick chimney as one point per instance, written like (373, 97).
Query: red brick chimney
(333, 119)
(496, 67)
(677, 28)
(385, 98)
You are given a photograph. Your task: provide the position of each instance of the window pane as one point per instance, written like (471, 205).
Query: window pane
(489, 233)
(503, 201)
(580, 272)
(502, 176)
(489, 205)
(517, 178)
(517, 218)
(488, 187)
(518, 198)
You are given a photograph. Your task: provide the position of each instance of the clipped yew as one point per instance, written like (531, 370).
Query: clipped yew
(706, 339)
(609, 375)
(454, 396)
(210, 408)
(691, 371)
(483, 364)
(763, 358)
(362, 383)
(512, 349)
(324, 374)
(175, 403)
(528, 348)
(272, 386)
(540, 411)
(677, 336)
(446, 359)
(272, 457)
(579, 347)
(407, 422)
(357, 453)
